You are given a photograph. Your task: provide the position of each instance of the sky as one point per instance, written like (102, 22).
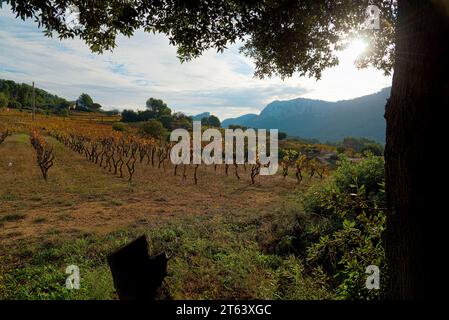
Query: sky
(145, 66)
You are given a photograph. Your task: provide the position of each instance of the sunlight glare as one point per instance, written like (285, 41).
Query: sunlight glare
(355, 49)
(346, 81)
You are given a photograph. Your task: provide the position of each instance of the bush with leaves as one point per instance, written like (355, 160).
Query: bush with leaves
(351, 220)
(153, 129)
(353, 245)
(119, 126)
(369, 172)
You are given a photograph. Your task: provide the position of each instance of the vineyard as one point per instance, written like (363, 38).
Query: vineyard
(74, 189)
(118, 152)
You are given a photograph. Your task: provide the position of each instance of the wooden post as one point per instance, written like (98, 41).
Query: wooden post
(34, 104)
(136, 275)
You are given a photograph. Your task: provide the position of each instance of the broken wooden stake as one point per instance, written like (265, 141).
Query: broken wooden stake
(137, 276)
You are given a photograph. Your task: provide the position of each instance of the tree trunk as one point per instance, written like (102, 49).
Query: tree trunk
(420, 92)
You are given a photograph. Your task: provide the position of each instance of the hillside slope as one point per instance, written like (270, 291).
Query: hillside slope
(323, 120)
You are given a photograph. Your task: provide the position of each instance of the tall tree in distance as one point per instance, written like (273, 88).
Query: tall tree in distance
(288, 37)
(85, 101)
(158, 107)
(95, 106)
(212, 121)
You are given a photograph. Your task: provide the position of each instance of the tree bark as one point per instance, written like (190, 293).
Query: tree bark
(414, 115)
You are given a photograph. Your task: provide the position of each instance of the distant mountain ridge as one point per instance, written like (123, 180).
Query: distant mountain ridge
(322, 120)
(200, 116)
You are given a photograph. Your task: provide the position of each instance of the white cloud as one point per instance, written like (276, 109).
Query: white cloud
(146, 66)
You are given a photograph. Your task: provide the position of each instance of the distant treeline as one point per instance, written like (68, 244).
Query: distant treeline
(19, 95)
(352, 144)
(157, 118)
(360, 145)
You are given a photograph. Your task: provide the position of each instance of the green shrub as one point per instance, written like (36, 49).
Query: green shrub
(314, 199)
(119, 126)
(153, 128)
(345, 253)
(292, 282)
(350, 226)
(63, 112)
(368, 172)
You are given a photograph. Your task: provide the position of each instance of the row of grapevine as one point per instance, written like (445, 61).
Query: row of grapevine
(3, 135)
(115, 151)
(301, 163)
(44, 152)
